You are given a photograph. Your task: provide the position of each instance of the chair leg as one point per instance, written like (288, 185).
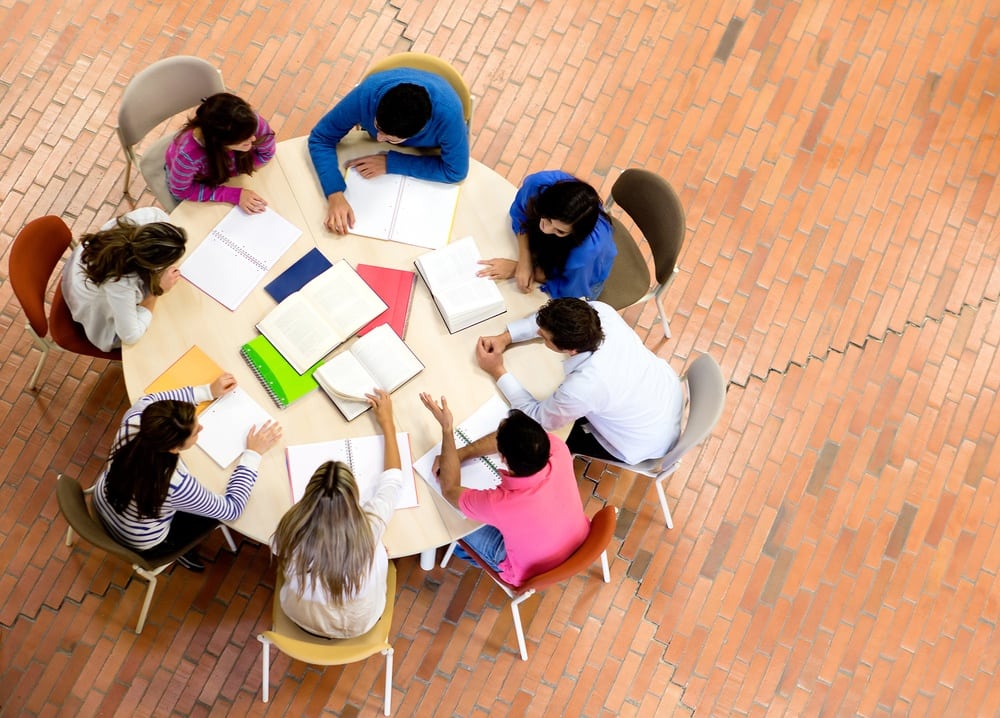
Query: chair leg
(387, 704)
(518, 629)
(663, 312)
(265, 660)
(605, 569)
(663, 501)
(229, 537)
(151, 577)
(447, 554)
(43, 346)
(69, 536)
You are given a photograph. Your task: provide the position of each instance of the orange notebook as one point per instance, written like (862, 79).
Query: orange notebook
(395, 288)
(194, 367)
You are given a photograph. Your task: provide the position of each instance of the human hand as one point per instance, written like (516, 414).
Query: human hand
(339, 214)
(497, 342)
(252, 202)
(523, 275)
(441, 412)
(382, 404)
(497, 268)
(369, 166)
(489, 358)
(169, 277)
(264, 438)
(224, 384)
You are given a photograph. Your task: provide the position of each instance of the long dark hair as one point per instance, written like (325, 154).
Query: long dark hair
(224, 119)
(571, 201)
(129, 248)
(141, 468)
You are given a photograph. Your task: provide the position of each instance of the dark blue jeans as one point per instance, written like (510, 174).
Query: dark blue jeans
(488, 544)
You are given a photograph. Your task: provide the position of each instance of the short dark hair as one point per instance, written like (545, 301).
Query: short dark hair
(403, 110)
(523, 444)
(573, 324)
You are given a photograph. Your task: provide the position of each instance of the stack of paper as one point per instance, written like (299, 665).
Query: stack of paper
(462, 298)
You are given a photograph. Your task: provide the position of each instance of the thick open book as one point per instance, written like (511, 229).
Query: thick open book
(307, 325)
(479, 473)
(462, 298)
(237, 253)
(225, 424)
(402, 209)
(365, 455)
(378, 359)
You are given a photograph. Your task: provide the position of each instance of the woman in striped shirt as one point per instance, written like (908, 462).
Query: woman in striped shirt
(146, 498)
(225, 138)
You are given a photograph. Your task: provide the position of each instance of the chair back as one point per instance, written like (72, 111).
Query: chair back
(303, 646)
(428, 63)
(36, 251)
(602, 528)
(163, 89)
(73, 505)
(657, 212)
(706, 397)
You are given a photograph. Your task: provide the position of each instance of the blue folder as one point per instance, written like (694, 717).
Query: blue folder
(308, 267)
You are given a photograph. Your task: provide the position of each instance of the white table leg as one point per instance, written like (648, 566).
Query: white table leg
(428, 558)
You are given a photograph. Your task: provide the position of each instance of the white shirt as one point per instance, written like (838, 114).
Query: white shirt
(632, 398)
(109, 312)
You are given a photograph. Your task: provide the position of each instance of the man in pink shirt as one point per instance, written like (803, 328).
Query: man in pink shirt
(534, 518)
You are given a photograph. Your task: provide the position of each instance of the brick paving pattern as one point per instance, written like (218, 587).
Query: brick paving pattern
(837, 546)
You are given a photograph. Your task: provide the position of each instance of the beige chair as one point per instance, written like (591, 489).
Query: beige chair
(594, 547)
(429, 63)
(287, 637)
(706, 395)
(73, 506)
(657, 212)
(156, 94)
(34, 255)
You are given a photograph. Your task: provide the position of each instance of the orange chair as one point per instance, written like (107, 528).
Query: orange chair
(34, 255)
(602, 528)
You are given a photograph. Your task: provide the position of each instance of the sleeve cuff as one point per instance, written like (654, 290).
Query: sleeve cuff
(250, 459)
(203, 393)
(523, 329)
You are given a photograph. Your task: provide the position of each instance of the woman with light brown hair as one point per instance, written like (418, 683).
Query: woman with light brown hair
(329, 544)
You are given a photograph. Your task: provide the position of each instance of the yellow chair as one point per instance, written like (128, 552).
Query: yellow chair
(429, 63)
(302, 646)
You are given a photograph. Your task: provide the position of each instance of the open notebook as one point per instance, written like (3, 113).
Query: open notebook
(365, 455)
(225, 424)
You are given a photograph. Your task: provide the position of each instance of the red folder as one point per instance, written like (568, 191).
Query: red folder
(395, 288)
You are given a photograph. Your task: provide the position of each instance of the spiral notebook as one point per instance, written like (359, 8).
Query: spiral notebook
(479, 473)
(282, 383)
(365, 455)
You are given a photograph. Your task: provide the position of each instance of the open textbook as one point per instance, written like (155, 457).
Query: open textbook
(365, 455)
(402, 209)
(462, 298)
(479, 473)
(237, 253)
(308, 324)
(378, 359)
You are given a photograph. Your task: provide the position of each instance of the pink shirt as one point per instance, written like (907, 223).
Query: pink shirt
(540, 516)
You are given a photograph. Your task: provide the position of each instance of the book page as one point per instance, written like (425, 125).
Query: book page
(366, 456)
(299, 332)
(225, 424)
(346, 381)
(387, 357)
(344, 298)
(425, 213)
(373, 201)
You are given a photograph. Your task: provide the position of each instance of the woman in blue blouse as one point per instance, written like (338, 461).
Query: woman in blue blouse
(564, 238)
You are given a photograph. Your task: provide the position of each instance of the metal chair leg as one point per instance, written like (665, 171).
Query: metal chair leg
(387, 705)
(265, 656)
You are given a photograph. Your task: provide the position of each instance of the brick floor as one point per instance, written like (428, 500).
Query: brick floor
(837, 547)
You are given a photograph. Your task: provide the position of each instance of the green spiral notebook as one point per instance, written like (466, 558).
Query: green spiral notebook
(283, 384)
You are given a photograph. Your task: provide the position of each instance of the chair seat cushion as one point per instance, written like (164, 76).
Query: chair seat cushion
(629, 279)
(151, 166)
(70, 335)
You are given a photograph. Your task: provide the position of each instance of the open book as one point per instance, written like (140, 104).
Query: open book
(378, 359)
(365, 455)
(462, 298)
(237, 253)
(479, 473)
(225, 424)
(307, 325)
(402, 209)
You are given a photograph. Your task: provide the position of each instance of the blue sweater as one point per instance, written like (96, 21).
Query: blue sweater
(446, 129)
(588, 264)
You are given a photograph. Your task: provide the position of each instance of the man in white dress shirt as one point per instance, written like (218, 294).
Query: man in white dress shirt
(626, 402)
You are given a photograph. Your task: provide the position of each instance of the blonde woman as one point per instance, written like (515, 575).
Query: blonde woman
(329, 544)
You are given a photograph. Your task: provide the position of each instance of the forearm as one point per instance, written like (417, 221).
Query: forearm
(483, 446)
(449, 471)
(391, 458)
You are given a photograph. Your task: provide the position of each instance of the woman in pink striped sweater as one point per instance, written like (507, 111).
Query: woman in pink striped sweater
(225, 138)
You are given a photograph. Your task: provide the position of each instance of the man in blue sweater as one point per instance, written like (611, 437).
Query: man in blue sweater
(402, 106)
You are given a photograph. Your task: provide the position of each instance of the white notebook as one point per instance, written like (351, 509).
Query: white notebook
(378, 359)
(225, 424)
(238, 253)
(462, 298)
(479, 473)
(308, 324)
(402, 209)
(365, 455)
